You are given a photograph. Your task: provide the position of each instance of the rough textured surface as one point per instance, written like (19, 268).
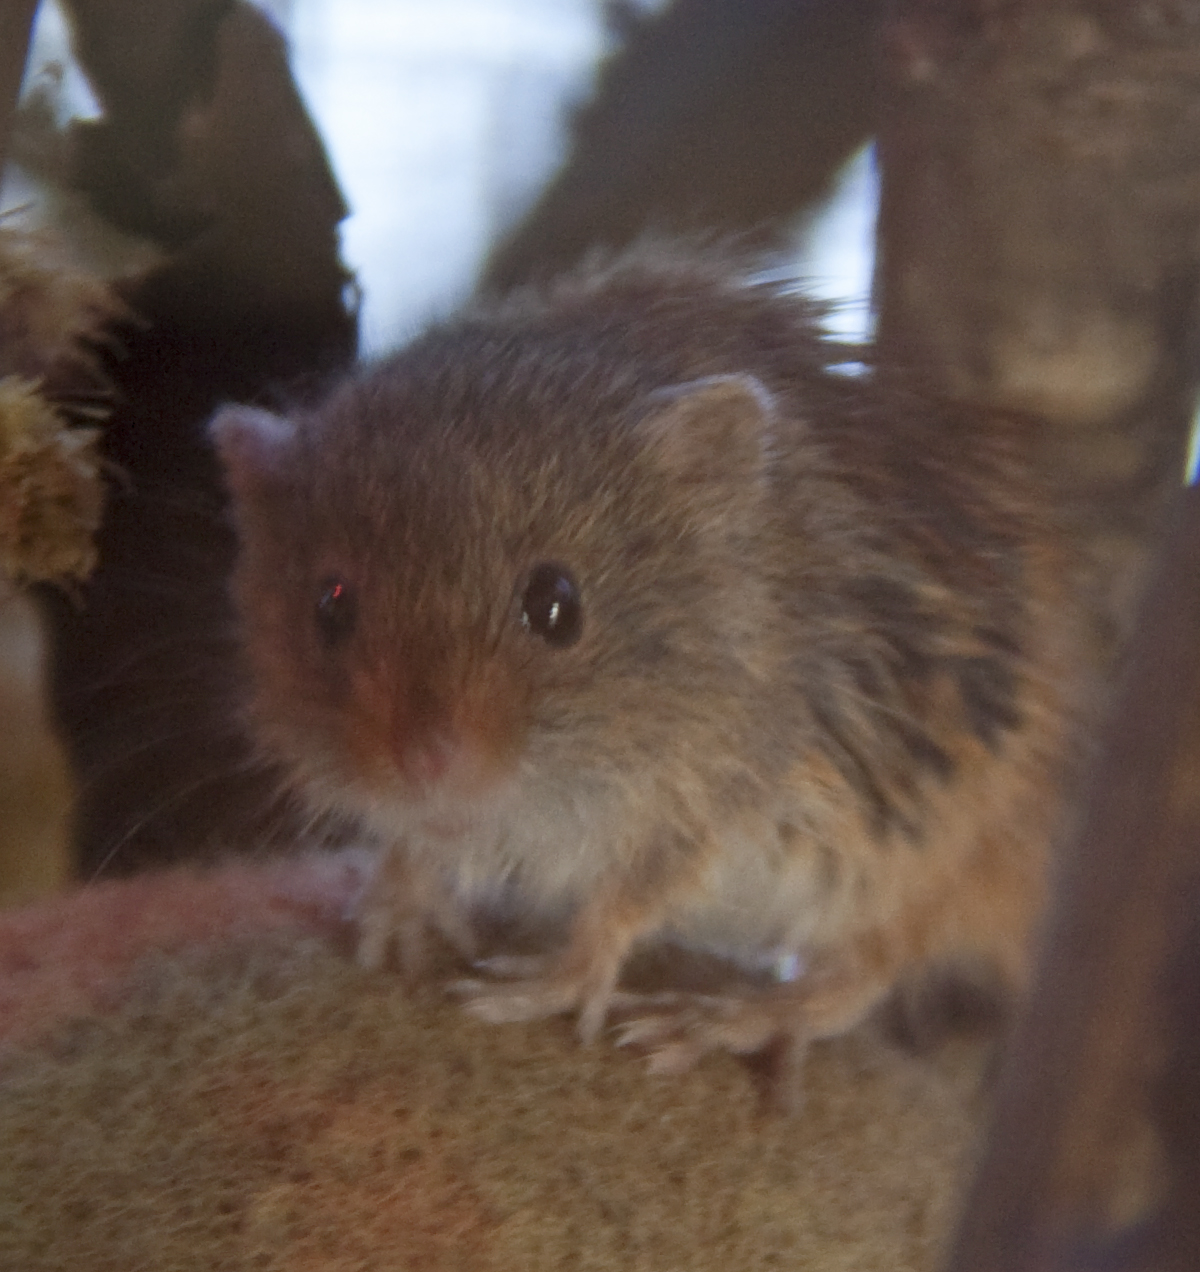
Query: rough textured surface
(52, 492)
(35, 787)
(204, 148)
(53, 318)
(255, 1101)
(1038, 233)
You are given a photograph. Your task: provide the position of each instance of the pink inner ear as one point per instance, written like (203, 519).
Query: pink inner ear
(251, 444)
(712, 429)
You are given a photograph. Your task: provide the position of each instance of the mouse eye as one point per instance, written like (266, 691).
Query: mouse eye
(551, 606)
(336, 612)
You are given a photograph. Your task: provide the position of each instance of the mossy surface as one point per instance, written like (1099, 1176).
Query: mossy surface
(266, 1105)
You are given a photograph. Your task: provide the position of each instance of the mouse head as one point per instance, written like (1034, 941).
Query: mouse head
(462, 587)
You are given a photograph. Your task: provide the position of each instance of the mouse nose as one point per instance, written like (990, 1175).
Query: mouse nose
(426, 761)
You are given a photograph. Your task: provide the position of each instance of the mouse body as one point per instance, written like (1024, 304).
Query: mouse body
(617, 602)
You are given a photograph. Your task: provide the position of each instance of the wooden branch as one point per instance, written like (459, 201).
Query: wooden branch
(16, 22)
(204, 147)
(1095, 1149)
(1039, 221)
(715, 115)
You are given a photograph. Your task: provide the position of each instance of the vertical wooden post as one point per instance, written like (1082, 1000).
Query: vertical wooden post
(1038, 231)
(16, 22)
(1094, 1151)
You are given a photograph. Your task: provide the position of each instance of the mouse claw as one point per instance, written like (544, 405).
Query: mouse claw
(679, 1029)
(508, 1002)
(644, 1032)
(677, 1058)
(466, 987)
(591, 1019)
(511, 966)
(380, 938)
(534, 997)
(667, 1039)
(674, 1041)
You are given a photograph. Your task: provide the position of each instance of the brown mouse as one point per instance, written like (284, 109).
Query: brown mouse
(616, 600)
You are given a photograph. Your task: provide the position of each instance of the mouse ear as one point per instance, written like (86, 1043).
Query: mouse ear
(252, 445)
(714, 430)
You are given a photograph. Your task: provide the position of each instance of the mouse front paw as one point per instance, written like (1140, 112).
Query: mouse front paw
(384, 937)
(534, 988)
(676, 1030)
(401, 912)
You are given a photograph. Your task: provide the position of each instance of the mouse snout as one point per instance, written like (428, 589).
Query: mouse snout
(428, 760)
(445, 762)
(449, 735)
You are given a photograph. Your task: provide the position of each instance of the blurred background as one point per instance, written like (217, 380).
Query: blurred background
(443, 120)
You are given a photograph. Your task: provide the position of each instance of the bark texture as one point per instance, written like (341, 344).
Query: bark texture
(204, 147)
(1039, 224)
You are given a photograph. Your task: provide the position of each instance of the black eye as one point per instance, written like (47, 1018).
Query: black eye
(551, 606)
(336, 612)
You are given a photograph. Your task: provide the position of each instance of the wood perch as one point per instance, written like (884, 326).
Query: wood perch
(16, 23)
(1093, 1157)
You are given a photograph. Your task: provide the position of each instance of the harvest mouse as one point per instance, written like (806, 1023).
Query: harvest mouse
(615, 600)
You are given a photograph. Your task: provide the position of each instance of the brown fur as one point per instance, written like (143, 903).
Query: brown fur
(822, 703)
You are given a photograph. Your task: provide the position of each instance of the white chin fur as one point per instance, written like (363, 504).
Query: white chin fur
(521, 839)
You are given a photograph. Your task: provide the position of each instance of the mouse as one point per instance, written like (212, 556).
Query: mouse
(629, 604)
